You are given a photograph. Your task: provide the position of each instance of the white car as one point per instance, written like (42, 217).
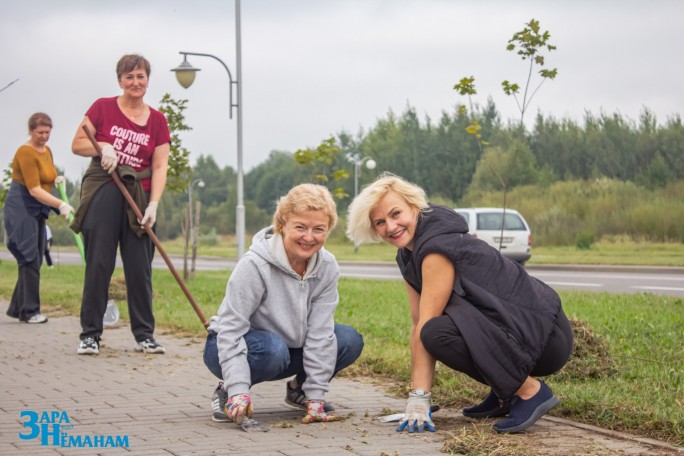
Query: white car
(485, 223)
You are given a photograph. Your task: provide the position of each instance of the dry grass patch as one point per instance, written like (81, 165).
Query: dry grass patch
(590, 356)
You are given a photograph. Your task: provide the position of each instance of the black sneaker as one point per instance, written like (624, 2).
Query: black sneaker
(149, 346)
(296, 398)
(490, 407)
(525, 412)
(218, 404)
(89, 346)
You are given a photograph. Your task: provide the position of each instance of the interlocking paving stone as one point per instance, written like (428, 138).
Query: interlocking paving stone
(162, 403)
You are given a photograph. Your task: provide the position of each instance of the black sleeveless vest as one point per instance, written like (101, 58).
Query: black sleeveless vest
(504, 314)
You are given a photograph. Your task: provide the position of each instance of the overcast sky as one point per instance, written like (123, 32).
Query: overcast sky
(311, 68)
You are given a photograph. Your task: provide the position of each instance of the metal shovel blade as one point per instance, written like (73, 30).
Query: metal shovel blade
(111, 316)
(252, 425)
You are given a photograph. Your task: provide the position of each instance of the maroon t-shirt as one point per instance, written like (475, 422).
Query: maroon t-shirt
(134, 143)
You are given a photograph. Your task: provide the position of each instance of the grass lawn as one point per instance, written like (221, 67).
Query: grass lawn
(626, 373)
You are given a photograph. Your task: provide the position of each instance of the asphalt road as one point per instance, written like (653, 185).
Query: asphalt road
(617, 279)
(669, 281)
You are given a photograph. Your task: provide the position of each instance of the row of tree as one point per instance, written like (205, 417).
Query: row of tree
(445, 160)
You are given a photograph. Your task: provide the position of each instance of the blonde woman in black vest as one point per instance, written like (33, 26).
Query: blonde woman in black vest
(471, 308)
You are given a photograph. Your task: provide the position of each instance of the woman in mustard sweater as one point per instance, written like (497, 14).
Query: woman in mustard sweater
(27, 206)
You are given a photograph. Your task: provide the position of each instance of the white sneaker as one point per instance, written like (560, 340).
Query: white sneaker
(37, 318)
(149, 346)
(88, 346)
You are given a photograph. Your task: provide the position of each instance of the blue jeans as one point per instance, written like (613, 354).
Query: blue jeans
(270, 358)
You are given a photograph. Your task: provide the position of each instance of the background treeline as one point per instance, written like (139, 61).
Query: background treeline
(605, 176)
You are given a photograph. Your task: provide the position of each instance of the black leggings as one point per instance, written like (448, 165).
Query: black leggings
(442, 339)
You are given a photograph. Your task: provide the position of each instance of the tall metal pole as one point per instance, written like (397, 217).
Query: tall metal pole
(240, 208)
(191, 209)
(357, 170)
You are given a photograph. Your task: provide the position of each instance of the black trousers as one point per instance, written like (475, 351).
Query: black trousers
(105, 228)
(25, 301)
(442, 339)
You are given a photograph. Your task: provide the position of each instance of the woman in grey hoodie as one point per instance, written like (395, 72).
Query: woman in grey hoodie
(276, 319)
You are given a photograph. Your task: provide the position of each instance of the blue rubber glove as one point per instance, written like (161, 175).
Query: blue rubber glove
(417, 415)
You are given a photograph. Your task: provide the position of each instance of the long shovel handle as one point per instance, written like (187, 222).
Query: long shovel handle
(150, 233)
(79, 241)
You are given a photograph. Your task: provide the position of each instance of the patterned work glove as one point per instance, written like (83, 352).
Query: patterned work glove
(239, 406)
(417, 415)
(109, 158)
(315, 413)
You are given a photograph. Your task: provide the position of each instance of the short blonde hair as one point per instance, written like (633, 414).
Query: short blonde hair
(359, 226)
(305, 197)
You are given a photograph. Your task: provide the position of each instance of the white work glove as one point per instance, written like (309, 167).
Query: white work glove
(238, 407)
(109, 158)
(60, 180)
(150, 214)
(65, 210)
(417, 415)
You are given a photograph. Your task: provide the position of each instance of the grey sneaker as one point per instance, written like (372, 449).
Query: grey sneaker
(218, 404)
(88, 346)
(149, 346)
(296, 398)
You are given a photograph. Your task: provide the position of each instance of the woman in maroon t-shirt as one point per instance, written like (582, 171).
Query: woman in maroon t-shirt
(131, 134)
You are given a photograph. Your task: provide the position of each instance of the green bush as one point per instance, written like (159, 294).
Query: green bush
(61, 233)
(584, 240)
(603, 207)
(209, 239)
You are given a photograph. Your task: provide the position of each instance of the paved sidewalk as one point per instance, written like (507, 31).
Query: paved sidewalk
(160, 405)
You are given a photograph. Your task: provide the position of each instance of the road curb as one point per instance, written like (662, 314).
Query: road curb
(607, 268)
(614, 434)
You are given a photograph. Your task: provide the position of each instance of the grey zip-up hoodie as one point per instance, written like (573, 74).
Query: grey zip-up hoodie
(265, 293)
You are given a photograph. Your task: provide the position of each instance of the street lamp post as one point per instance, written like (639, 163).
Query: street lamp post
(358, 162)
(193, 228)
(185, 74)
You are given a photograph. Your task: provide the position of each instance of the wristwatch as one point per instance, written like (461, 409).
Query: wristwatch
(418, 392)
